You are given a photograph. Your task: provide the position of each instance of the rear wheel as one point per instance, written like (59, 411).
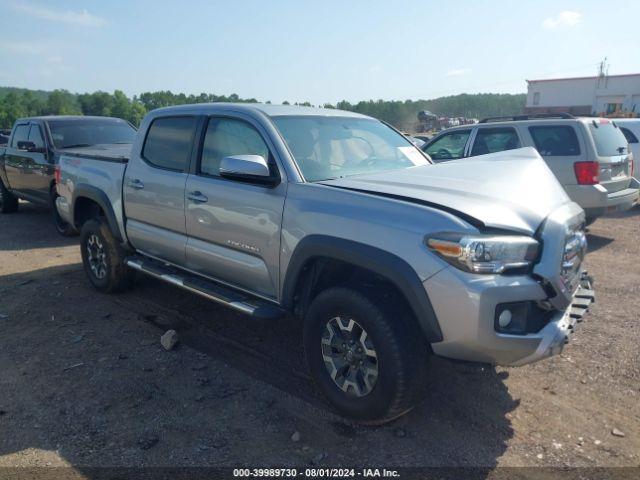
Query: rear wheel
(103, 257)
(63, 228)
(8, 202)
(368, 360)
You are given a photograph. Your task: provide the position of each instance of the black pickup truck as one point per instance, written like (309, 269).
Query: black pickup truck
(28, 161)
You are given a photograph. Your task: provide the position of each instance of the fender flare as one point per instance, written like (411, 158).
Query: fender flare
(386, 264)
(93, 193)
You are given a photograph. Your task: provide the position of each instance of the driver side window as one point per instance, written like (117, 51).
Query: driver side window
(450, 146)
(229, 136)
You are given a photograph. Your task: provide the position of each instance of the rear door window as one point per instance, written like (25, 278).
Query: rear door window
(629, 135)
(21, 134)
(608, 138)
(555, 140)
(491, 140)
(449, 146)
(169, 141)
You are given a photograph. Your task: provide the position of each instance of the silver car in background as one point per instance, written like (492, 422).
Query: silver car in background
(589, 156)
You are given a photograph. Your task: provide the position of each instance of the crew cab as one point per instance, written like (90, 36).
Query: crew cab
(589, 156)
(340, 221)
(28, 162)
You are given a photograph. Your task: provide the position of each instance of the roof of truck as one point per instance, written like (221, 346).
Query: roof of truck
(67, 117)
(268, 109)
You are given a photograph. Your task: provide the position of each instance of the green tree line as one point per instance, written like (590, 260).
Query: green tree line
(403, 114)
(16, 103)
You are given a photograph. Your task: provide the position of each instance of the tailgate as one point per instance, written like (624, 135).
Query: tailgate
(612, 150)
(615, 172)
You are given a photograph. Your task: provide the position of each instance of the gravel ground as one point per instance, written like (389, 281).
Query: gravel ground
(84, 381)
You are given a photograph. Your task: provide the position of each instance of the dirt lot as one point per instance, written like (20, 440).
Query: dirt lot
(84, 381)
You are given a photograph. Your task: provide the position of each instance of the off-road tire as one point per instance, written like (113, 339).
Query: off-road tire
(63, 228)
(8, 202)
(402, 355)
(117, 276)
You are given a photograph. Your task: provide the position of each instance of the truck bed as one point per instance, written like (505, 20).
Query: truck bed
(99, 168)
(107, 152)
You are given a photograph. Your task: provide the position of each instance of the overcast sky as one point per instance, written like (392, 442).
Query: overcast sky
(320, 51)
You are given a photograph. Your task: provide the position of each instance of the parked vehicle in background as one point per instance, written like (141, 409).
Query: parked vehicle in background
(589, 156)
(28, 162)
(4, 137)
(631, 129)
(421, 136)
(337, 219)
(415, 140)
(427, 121)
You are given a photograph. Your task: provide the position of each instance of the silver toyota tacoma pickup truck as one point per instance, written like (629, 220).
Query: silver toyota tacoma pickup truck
(339, 220)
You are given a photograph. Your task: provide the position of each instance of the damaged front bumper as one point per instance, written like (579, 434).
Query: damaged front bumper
(466, 305)
(543, 307)
(557, 333)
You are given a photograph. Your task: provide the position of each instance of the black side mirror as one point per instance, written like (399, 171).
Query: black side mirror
(30, 147)
(26, 145)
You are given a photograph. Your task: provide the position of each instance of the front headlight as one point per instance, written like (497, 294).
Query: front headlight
(485, 253)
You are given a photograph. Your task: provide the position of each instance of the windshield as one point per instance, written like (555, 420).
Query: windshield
(84, 133)
(609, 140)
(333, 147)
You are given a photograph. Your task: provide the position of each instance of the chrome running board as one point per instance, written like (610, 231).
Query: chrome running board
(209, 289)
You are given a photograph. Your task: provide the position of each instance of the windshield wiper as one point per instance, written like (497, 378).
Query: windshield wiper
(77, 145)
(331, 178)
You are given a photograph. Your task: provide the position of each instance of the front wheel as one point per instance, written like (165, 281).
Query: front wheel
(103, 258)
(368, 361)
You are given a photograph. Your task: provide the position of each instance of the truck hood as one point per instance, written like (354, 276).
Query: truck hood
(512, 190)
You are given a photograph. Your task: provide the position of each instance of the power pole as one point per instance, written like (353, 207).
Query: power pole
(603, 73)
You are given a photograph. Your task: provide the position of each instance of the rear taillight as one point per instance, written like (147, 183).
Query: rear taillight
(56, 174)
(587, 173)
(630, 165)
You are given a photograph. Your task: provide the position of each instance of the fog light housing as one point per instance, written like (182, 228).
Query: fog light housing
(512, 317)
(520, 318)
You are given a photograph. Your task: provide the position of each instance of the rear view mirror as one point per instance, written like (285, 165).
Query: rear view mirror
(246, 167)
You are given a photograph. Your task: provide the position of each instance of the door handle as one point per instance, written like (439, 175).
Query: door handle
(137, 184)
(197, 197)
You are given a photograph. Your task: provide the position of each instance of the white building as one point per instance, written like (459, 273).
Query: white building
(602, 95)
